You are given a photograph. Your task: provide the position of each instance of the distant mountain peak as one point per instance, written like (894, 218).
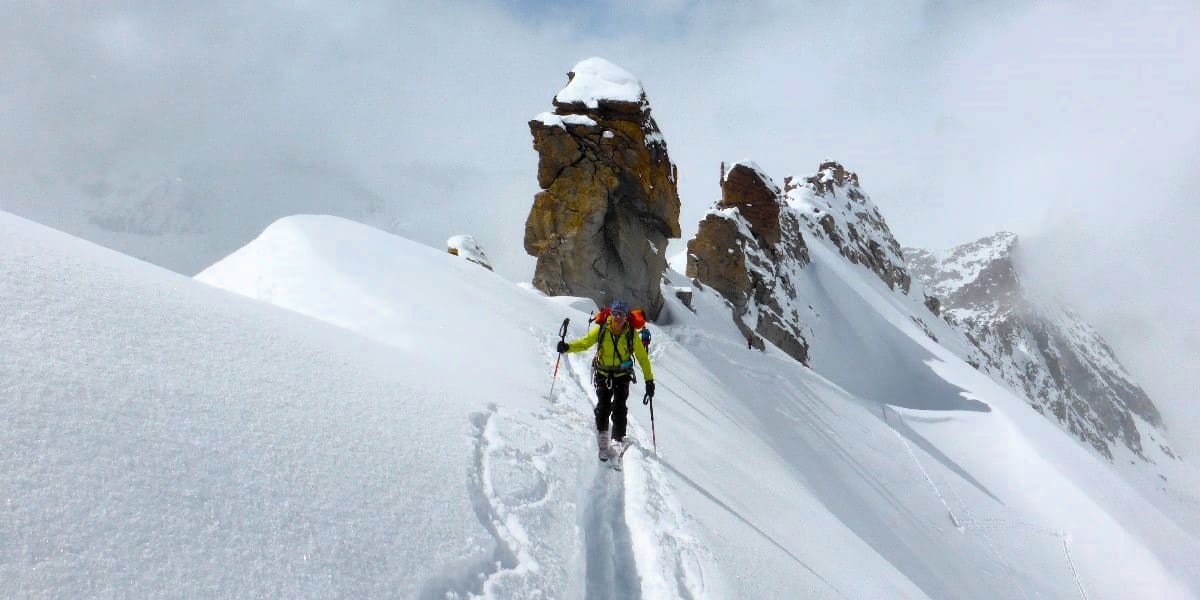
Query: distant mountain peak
(970, 276)
(1037, 346)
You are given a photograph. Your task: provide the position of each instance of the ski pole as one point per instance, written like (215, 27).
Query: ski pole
(648, 399)
(562, 335)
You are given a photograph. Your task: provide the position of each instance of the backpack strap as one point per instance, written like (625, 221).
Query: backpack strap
(628, 335)
(599, 342)
(629, 346)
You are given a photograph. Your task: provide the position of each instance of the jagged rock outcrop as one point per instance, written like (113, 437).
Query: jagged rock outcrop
(750, 250)
(1038, 347)
(838, 210)
(609, 203)
(465, 246)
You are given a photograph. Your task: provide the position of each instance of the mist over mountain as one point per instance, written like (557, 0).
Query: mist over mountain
(1041, 348)
(1134, 277)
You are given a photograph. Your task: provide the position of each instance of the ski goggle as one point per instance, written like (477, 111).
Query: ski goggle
(620, 314)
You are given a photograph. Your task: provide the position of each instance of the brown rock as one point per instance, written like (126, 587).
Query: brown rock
(608, 205)
(715, 258)
(753, 270)
(757, 199)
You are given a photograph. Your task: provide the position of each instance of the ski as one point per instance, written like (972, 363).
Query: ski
(615, 462)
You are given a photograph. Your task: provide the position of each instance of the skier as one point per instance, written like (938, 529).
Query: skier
(612, 374)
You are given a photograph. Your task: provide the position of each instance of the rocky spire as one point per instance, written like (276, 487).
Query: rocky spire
(747, 248)
(609, 203)
(756, 197)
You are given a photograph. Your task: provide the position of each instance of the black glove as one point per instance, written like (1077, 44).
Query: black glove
(563, 347)
(649, 392)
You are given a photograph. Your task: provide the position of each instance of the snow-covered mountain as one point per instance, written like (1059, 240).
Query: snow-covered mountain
(751, 250)
(1040, 348)
(374, 420)
(836, 208)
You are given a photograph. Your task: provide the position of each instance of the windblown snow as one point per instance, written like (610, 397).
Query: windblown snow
(334, 411)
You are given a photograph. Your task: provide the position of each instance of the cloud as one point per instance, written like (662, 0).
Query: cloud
(1056, 120)
(1133, 272)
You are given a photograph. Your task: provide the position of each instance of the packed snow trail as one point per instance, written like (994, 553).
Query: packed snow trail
(636, 542)
(611, 566)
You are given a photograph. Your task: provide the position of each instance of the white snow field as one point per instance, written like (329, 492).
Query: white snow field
(392, 434)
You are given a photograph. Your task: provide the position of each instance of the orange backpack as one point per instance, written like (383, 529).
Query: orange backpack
(637, 318)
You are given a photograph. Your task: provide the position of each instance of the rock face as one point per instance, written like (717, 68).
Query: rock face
(750, 250)
(609, 203)
(837, 209)
(1038, 347)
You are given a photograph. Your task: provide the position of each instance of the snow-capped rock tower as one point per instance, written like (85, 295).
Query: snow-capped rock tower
(609, 203)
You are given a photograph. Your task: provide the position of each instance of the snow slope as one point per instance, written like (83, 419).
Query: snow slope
(394, 436)
(163, 437)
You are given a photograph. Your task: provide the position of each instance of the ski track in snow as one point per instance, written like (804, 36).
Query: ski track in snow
(611, 566)
(633, 534)
(968, 523)
(504, 555)
(514, 493)
(635, 538)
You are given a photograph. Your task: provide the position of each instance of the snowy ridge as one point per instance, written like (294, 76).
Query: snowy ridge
(523, 491)
(164, 435)
(468, 247)
(309, 460)
(835, 213)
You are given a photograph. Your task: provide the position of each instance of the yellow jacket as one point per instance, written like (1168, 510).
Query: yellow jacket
(614, 349)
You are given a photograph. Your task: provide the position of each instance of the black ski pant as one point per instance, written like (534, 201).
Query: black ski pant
(611, 393)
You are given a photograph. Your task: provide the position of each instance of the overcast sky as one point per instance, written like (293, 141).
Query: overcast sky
(1072, 124)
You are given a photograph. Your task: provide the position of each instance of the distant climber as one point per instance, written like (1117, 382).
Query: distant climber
(612, 369)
